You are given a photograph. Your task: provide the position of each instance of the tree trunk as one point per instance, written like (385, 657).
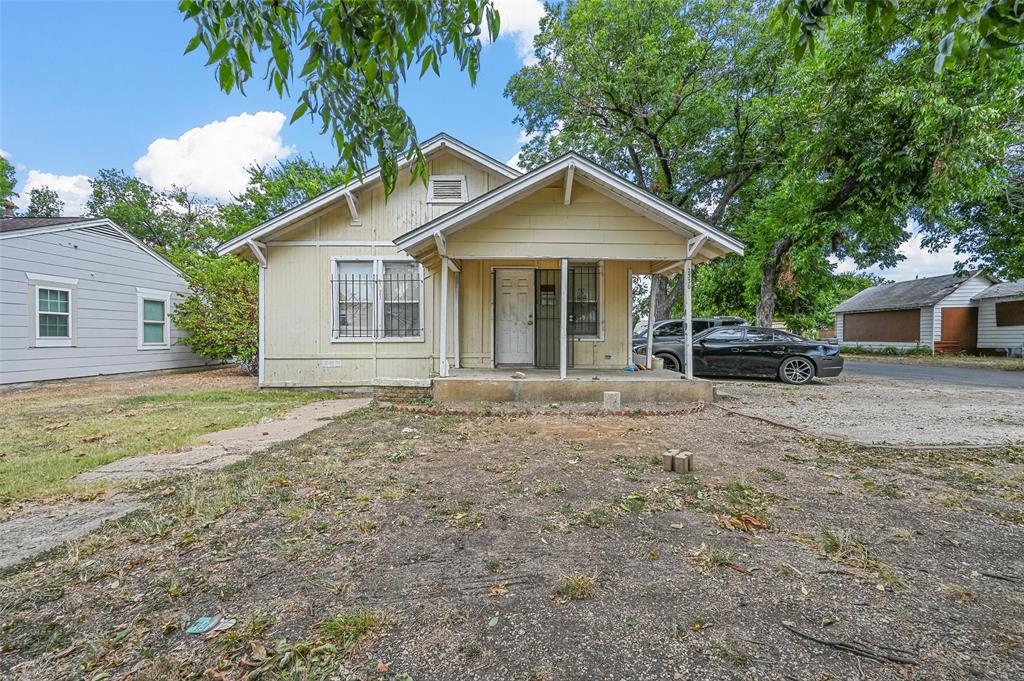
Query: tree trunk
(769, 276)
(662, 302)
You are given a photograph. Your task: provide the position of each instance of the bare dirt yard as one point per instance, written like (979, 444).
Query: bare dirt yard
(875, 410)
(392, 545)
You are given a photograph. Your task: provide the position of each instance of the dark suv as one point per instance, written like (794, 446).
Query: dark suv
(671, 330)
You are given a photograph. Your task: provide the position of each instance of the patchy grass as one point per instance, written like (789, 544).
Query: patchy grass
(477, 550)
(575, 587)
(964, 361)
(49, 437)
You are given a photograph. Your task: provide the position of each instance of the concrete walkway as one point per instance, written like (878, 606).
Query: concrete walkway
(39, 527)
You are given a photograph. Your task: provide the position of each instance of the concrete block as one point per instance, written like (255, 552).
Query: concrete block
(683, 462)
(612, 400)
(667, 461)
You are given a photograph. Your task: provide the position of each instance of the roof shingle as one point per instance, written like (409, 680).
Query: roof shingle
(904, 295)
(18, 224)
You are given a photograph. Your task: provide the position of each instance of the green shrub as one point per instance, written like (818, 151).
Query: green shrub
(889, 350)
(221, 313)
(919, 351)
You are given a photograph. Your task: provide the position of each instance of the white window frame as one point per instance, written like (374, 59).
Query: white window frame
(378, 302)
(142, 295)
(430, 189)
(600, 301)
(55, 341)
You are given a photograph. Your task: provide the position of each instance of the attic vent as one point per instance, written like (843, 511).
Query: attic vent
(104, 230)
(447, 189)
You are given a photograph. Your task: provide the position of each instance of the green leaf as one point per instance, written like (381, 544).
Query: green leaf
(219, 50)
(493, 622)
(299, 111)
(226, 76)
(194, 43)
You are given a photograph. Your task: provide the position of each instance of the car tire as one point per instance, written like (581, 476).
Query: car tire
(796, 370)
(672, 362)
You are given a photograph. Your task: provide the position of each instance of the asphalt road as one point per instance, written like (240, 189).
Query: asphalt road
(974, 378)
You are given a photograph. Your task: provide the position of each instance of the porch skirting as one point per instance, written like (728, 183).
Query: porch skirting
(581, 385)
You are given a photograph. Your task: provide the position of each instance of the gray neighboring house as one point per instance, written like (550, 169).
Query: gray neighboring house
(1001, 318)
(938, 313)
(82, 297)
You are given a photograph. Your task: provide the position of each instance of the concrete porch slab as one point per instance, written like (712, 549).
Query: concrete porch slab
(581, 385)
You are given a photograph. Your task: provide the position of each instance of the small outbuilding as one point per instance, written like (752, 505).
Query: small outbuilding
(83, 297)
(1001, 318)
(939, 313)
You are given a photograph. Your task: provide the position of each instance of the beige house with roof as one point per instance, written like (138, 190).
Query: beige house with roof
(482, 272)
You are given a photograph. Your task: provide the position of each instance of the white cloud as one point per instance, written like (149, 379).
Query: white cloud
(514, 162)
(6, 154)
(211, 160)
(73, 190)
(520, 21)
(917, 262)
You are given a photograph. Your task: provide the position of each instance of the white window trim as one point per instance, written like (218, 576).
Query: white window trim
(378, 274)
(430, 189)
(142, 295)
(599, 338)
(55, 341)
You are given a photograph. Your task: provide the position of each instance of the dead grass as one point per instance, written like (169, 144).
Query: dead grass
(521, 547)
(50, 434)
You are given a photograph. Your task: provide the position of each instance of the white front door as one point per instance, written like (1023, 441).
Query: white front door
(513, 332)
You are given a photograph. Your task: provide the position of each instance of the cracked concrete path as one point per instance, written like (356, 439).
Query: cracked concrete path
(39, 527)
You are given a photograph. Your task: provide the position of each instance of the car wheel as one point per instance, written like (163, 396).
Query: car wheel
(796, 371)
(672, 362)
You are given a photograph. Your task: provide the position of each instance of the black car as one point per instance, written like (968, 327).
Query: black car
(753, 351)
(669, 330)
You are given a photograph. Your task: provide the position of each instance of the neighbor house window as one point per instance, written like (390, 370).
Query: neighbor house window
(377, 299)
(154, 323)
(584, 300)
(53, 307)
(1010, 313)
(447, 189)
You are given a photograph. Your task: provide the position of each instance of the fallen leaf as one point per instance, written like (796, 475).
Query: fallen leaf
(167, 491)
(93, 438)
(59, 426)
(493, 622)
(498, 590)
(383, 666)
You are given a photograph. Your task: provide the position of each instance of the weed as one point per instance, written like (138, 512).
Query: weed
(709, 560)
(599, 516)
(349, 628)
(575, 587)
(771, 473)
(842, 546)
(957, 592)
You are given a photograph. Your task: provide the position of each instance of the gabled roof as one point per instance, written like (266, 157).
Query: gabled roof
(626, 192)
(18, 224)
(101, 226)
(904, 295)
(318, 203)
(1007, 289)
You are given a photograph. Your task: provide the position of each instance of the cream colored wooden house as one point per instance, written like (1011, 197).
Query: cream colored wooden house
(484, 268)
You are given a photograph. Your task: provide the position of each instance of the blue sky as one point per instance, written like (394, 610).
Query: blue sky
(88, 85)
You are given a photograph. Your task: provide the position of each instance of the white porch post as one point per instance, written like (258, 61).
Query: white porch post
(262, 353)
(458, 294)
(688, 301)
(443, 333)
(563, 357)
(650, 326)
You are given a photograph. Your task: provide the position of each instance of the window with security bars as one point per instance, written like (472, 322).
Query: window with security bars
(54, 313)
(584, 303)
(378, 299)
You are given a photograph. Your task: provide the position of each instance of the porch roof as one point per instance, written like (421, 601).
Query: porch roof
(712, 242)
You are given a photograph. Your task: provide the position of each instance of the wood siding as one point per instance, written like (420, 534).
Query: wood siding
(299, 348)
(104, 306)
(542, 226)
(994, 337)
(896, 326)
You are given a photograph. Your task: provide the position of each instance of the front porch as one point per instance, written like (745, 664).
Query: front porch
(579, 385)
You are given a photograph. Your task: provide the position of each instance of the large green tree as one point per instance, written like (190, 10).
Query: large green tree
(7, 180)
(347, 59)
(167, 220)
(274, 189)
(43, 202)
(702, 103)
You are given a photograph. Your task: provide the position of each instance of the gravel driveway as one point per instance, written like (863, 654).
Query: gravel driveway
(876, 410)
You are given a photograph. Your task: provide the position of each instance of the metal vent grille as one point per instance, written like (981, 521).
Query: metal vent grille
(103, 230)
(449, 188)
